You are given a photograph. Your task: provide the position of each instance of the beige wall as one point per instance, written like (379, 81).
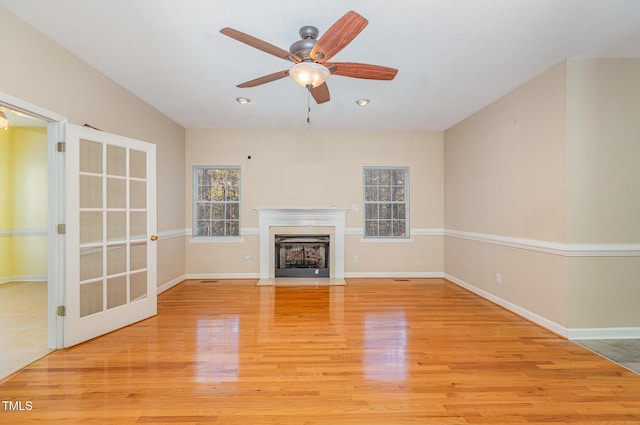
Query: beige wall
(321, 169)
(505, 180)
(44, 74)
(541, 187)
(604, 200)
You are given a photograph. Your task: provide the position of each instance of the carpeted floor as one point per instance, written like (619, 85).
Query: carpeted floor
(625, 352)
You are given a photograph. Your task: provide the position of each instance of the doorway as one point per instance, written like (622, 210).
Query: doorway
(24, 240)
(99, 263)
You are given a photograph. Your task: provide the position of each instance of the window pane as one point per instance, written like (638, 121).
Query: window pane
(384, 228)
(399, 211)
(385, 202)
(217, 192)
(399, 228)
(385, 177)
(370, 177)
(384, 194)
(216, 203)
(398, 177)
(385, 211)
(217, 228)
(233, 227)
(371, 228)
(232, 193)
(398, 193)
(371, 193)
(371, 211)
(217, 211)
(233, 211)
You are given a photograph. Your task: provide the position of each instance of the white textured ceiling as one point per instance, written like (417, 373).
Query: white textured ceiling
(453, 56)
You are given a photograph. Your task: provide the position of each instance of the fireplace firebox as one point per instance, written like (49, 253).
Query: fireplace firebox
(302, 255)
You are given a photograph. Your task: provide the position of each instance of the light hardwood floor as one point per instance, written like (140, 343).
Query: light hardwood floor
(377, 351)
(23, 325)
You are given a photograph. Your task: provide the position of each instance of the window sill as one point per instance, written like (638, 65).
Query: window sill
(384, 240)
(216, 239)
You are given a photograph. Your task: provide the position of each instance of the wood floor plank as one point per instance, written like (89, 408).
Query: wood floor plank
(377, 351)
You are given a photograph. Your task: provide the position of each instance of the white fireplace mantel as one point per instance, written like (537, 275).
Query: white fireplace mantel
(302, 217)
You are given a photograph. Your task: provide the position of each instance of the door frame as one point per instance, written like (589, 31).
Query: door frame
(56, 204)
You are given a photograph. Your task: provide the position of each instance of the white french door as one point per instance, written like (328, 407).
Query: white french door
(111, 249)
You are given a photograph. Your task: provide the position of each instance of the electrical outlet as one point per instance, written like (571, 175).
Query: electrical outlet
(355, 207)
(247, 259)
(498, 277)
(356, 259)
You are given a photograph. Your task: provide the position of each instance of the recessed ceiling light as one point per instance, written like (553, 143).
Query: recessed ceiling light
(363, 102)
(243, 100)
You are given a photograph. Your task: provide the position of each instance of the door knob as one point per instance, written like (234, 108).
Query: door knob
(153, 238)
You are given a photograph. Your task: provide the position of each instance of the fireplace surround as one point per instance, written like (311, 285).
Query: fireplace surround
(308, 221)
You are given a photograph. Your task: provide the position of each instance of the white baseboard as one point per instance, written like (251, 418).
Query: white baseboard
(170, 284)
(223, 276)
(531, 316)
(24, 278)
(604, 333)
(393, 274)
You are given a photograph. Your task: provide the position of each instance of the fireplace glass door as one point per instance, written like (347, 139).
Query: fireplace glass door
(302, 255)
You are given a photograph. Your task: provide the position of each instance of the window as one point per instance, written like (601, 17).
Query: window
(216, 201)
(386, 205)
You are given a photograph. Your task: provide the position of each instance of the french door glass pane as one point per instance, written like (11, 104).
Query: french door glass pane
(138, 194)
(90, 191)
(91, 298)
(138, 256)
(138, 224)
(113, 271)
(138, 286)
(116, 291)
(90, 227)
(116, 226)
(116, 259)
(90, 157)
(90, 263)
(137, 164)
(116, 193)
(116, 161)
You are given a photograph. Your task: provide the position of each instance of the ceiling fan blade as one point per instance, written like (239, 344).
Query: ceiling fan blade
(321, 93)
(265, 79)
(259, 44)
(363, 70)
(338, 36)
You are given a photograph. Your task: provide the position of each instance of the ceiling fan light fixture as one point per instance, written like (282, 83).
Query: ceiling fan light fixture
(243, 100)
(4, 122)
(363, 102)
(309, 74)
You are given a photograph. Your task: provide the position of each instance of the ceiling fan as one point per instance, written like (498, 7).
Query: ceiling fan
(310, 56)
